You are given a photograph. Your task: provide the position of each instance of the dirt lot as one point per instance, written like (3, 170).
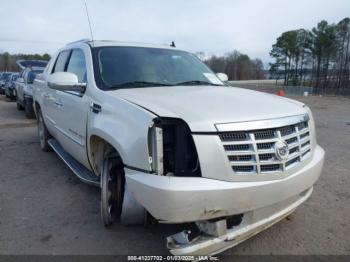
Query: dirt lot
(45, 209)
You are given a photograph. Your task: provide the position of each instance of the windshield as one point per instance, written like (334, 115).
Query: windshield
(32, 75)
(131, 67)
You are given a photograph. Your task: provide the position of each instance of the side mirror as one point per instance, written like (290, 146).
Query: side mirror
(65, 81)
(222, 76)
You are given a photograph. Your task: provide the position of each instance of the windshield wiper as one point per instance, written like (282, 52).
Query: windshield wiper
(196, 82)
(135, 84)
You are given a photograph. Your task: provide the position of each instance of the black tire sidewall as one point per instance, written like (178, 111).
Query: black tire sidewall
(116, 162)
(19, 106)
(45, 146)
(28, 109)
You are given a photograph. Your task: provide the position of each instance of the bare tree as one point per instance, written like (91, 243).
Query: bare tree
(237, 66)
(8, 61)
(319, 57)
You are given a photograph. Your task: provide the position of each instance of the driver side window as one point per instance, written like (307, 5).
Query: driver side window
(61, 61)
(77, 65)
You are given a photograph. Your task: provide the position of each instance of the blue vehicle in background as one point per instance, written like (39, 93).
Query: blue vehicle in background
(24, 84)
(10, 86)
(5, 76)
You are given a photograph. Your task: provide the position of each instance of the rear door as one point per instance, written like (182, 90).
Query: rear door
(72, 110)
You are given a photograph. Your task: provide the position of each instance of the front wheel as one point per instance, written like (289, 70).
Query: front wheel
(43, 133)
(112, 188)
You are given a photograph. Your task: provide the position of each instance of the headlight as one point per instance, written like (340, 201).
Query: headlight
(172, 149)
(155, 148)
(311, 127)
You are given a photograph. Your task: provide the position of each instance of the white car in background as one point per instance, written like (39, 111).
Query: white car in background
(168, 141)
(24, 90)
(24, 84)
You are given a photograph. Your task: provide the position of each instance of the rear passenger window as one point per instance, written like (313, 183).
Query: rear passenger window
(77, 65)
(61, 61)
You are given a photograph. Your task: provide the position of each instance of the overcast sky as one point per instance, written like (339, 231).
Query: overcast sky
(212, 26)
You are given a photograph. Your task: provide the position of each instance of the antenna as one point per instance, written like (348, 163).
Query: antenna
(88, 17)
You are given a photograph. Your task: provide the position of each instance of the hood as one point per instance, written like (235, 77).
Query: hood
(204, 106)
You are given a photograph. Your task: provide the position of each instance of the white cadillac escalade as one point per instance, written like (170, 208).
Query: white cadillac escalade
(167, 140)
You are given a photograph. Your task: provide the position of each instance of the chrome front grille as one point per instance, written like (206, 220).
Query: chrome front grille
(254, 152)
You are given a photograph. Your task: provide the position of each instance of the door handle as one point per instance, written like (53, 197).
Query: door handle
(59, 104)
(46, 96)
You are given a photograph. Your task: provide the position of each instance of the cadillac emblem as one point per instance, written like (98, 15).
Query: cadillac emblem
(281, 149)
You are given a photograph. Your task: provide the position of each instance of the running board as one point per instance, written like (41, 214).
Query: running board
(78, 169)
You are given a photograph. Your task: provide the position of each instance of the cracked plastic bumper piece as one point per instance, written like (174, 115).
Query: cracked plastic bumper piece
(253, 223)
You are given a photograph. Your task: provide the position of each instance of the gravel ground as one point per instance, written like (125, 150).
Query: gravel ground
(45, 209)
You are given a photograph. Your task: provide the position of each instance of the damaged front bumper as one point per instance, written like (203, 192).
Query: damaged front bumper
(253, 223)
(188, 199)
(195, 199)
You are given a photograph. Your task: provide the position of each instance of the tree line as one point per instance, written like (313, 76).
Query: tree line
(318, 57)
(8, 61)
(236, 65)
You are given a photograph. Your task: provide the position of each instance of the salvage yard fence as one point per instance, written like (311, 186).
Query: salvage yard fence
(273, 87)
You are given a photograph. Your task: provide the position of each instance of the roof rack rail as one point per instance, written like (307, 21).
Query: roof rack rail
(85, 40)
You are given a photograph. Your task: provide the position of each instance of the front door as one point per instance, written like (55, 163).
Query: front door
(49, 105)
(72, 110)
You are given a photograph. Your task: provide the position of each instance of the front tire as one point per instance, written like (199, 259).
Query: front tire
(112, 188)
(43, 133)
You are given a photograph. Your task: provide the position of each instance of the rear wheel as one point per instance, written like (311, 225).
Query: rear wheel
(19, 106)
(112, 187)
(28, 109)
(43, 133)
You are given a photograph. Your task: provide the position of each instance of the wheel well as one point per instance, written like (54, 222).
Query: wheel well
(98, 147)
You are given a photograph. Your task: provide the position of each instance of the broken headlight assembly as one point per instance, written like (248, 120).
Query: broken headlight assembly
(171, 148)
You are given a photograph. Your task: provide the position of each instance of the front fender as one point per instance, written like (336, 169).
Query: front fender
(124, 126)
